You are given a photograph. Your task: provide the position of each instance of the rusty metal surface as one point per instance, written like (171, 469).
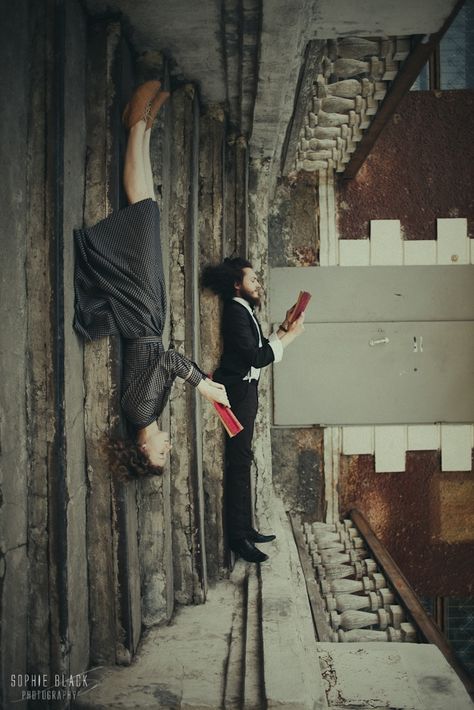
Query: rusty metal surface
(419, 169)
(406, 511)
(430, 631)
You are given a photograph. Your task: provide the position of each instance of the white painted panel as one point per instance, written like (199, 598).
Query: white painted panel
(354, 252)
(423, 437)
(390, 448)
(386, 245)
(358, 440)
(471, 248)
(456, 447)
(420, 252)
(453, 244)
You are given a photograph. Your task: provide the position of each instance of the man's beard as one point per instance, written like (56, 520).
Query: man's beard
(255, 301)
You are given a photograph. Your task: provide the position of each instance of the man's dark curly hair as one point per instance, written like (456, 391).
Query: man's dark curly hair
(128, 461)
(221, 278)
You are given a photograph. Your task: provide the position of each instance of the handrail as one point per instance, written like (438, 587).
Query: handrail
(427, 628)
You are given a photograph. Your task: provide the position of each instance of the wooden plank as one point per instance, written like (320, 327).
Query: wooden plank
(357, 440)
(386, 246)
(419, 252)
(427, 628)
(456, 447)
(318, 610)
(390, 448)
(423, 437)
(453, 243)
(354, 252)
(399, 87)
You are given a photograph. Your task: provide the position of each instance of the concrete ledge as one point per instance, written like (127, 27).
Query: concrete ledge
(406, 676)
(290, 660)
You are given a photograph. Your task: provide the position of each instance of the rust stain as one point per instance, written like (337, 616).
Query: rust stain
(419, 169)
(422, 515)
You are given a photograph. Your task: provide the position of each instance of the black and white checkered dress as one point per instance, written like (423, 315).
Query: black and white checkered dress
(120, 290)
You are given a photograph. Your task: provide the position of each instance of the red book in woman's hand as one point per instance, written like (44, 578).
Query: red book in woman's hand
(228, 418)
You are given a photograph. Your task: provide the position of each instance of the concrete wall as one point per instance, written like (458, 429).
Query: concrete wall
(419, 170)
(44, 627)
(14, 468)
(87, 561)
(297, 454)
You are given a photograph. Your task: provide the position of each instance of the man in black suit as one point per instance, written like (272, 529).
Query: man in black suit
(245, 352)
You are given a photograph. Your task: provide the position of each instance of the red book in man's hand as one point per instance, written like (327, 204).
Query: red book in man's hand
(300, 306)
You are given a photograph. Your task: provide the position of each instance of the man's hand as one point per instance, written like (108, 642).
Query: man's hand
(213, 391)
(286, 322)
(297, 327)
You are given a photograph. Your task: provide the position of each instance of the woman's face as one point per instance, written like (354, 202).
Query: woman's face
(157, 447)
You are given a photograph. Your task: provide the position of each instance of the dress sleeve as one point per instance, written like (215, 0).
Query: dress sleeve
(147, 394)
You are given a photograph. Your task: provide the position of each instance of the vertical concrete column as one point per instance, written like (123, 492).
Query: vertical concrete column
(154, 495)
(260, 186)
(187, 559)
(211, 180)
(101, 358)
(40, 278)
(235, 196)
(75, 469)
(14, 453)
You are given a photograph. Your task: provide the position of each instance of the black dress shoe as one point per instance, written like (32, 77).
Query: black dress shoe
(248, 551)
(255, 536)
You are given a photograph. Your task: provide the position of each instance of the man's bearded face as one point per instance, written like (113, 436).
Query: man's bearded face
(250, 288)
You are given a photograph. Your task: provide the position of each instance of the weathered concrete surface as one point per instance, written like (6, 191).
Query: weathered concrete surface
(340, 18)
(297, 454)
(40, 299)
(291, 677)
(154, 495)
(293, 238)
(211, 230)
(188, 570)
(298, 469)
(260, 187)
(74, 165)
(101, 359)
(405, 676)
(182, 665)
(385, 189)
(432, 542)
(13, 347)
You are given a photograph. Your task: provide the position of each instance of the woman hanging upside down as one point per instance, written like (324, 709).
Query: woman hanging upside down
(120, 290)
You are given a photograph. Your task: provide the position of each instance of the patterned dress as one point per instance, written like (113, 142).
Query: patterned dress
(120, 290)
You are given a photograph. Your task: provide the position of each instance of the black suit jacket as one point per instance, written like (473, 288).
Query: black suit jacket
(241, 350)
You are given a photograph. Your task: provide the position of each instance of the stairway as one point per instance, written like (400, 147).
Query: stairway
(260, 642)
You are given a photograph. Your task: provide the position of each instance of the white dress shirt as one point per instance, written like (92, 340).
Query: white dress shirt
(274, 342)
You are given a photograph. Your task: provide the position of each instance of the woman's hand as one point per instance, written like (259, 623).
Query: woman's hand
(213, 391)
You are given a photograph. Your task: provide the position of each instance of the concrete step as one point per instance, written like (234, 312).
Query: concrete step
(235, 667)
(253, 679)
(292, 679)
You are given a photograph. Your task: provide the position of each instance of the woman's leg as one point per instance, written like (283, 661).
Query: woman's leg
(156, 104)
(134, 172)
(147, 164)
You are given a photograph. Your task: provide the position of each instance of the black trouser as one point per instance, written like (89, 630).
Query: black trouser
(243, 398)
